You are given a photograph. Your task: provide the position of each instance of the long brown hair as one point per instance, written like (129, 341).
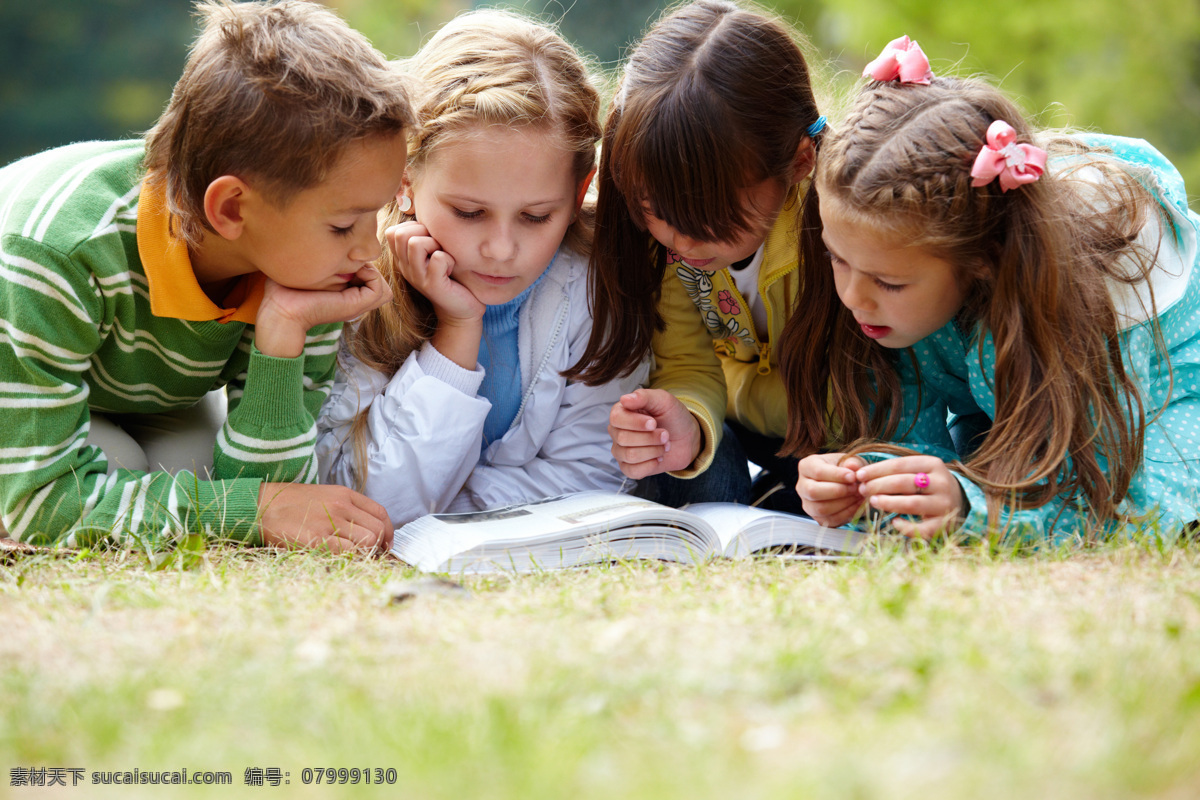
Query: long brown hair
(714, 98)
(1034, 263)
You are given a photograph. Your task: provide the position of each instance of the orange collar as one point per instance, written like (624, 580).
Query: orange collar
(174, 290)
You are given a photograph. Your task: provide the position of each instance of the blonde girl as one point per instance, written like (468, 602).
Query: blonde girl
(452, 399)
(702, 223)
(977, 265)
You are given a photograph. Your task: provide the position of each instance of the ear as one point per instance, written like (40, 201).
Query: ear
(404, 198)
(804, 160)
(224, 202)
(583, 187)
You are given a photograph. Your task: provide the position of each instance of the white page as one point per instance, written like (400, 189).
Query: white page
(430, 541)
(729, 519)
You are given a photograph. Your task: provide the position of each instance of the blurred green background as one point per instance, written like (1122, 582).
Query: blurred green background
(82, 69)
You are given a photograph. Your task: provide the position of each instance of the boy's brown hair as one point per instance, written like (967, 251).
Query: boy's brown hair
(272, 93)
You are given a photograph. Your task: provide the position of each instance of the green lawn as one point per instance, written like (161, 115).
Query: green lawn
(950, 674)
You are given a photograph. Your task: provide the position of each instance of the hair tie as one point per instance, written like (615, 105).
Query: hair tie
(816, 127)
(1001, 156)
(903, 60)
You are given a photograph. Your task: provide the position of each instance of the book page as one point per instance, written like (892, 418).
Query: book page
(548, 529)
(745, 530)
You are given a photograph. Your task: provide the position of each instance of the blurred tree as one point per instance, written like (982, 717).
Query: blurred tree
(78, 69)
(397, 27)
(85, 69)
(72, 70)
(605, 29)
(1108, 65)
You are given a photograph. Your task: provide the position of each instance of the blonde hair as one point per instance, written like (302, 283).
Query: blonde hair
(272, 93)
(1034, 263)
(486, 67)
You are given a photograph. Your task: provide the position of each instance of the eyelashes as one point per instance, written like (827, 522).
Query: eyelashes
(887, 287)
(478, 214)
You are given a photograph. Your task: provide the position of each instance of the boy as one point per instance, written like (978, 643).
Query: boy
(225, 249)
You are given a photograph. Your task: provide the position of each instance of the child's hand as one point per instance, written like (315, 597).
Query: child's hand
(286, 314)
(829, 488)
(919, 486)
(428, 269)
(652, 432)
(307, 515)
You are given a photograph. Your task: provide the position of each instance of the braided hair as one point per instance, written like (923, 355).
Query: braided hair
(1034, 265)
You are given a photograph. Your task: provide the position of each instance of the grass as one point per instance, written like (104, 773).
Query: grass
(958, 673)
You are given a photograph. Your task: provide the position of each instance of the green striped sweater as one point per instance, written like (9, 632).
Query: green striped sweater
(77, 333)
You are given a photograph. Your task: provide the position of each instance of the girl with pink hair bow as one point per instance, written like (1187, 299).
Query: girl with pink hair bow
(978, 269)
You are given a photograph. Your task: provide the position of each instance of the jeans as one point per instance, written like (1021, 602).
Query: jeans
(727, 479)
(777, 471)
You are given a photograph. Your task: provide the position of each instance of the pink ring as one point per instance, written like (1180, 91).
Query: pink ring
(921, 481)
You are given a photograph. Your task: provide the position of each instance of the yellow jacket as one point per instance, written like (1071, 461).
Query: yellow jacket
(709, 355)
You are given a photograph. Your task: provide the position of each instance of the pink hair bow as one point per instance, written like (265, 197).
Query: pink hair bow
(1015, 164)
(902, 59)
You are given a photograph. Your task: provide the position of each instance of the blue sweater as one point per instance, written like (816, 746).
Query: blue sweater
(502, 367)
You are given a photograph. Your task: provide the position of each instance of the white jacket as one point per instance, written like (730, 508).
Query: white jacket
(425, 425)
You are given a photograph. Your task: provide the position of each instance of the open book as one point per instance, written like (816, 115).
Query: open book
(596, 527)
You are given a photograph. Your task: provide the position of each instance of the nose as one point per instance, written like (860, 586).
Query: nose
(498, 243)
(856, 294)
(683, 244)
(367, 248)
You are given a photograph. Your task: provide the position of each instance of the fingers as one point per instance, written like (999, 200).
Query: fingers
(325, 517)
(621, 417)
(824, 468)
(640, 436)
(640, 459)
(642, 469)
(849, 462)
(441, 264)
(373, 293)
(374, 282)
(413, 247)
(653, 402)
(400, 239)
(634, 401)
(374, 519)
(904, 465)
(636, 437)
(920, 487)
(417, 254)
(833, 513)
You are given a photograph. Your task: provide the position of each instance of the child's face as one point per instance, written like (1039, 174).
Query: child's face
(765, 198)
(898, 294)
(499, 201)
(327, 232)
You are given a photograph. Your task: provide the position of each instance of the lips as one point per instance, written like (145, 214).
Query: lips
(875, 331)
(697, 263)
(495, 280)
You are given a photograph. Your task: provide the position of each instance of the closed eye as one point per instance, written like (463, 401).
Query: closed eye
(458, 212)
